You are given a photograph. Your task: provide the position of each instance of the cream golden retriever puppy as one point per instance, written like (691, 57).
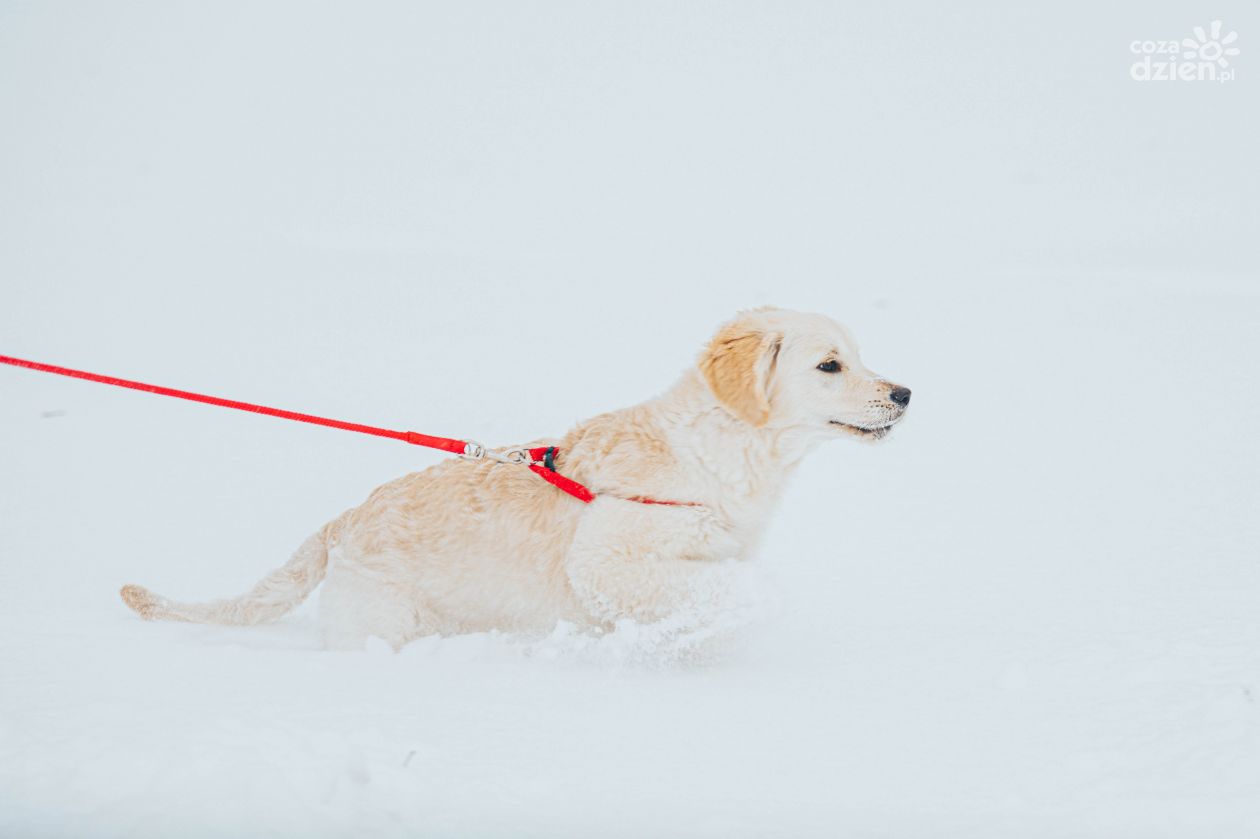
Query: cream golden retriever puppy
(474, 545)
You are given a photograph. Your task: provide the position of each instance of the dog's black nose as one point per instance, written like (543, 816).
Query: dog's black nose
(900, 395)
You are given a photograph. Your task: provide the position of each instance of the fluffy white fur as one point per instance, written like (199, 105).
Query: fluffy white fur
(471, 546)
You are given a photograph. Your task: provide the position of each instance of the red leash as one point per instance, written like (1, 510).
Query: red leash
(540, 461)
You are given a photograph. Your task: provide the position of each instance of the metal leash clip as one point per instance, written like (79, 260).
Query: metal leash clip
(476, 451)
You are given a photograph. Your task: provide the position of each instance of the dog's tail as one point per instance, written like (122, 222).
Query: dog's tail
(277, 593)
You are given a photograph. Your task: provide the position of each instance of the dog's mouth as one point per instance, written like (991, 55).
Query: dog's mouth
(874, 432)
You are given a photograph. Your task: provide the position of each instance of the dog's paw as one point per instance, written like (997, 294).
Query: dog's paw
(142, 601)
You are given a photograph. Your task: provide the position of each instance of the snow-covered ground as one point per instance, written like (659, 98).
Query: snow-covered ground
(1033, 612)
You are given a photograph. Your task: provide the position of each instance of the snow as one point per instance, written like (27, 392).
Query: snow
(1031, 612)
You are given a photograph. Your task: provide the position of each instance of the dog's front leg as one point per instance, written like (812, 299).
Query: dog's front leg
(648, 562)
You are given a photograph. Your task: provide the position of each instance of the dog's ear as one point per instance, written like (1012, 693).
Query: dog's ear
(737, 365)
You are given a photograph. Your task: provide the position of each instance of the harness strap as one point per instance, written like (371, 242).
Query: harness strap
(541, 461)
(546, 469)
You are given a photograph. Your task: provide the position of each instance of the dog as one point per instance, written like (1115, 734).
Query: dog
(682, 482)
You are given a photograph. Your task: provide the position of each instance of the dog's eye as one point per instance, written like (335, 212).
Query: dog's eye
(830, 366)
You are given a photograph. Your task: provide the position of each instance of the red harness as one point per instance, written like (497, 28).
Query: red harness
(541, 461)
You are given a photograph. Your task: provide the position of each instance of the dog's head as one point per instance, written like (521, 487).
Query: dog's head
(781, 369)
